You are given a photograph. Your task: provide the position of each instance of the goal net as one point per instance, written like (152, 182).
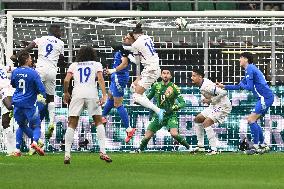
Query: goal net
(213, 40)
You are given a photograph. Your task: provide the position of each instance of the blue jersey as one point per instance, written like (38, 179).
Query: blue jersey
(116, 62)
(253, 81)
(28, 84)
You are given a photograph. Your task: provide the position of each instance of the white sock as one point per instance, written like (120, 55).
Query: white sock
(144, 101)
(69, 136)
(200, 134)
(212, 138)
(101, 138)
(51, 112)
(11, 140)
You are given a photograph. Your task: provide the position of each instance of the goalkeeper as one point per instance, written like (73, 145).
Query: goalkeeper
(167, 96)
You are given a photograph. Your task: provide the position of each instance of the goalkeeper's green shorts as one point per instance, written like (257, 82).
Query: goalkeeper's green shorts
(169, 122)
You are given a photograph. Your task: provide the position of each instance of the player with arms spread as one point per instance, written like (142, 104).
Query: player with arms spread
(50, 52)
(219, 108)
(85, 94)
(254, 81)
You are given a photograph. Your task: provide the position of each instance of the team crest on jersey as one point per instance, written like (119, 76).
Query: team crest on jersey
(169, 91)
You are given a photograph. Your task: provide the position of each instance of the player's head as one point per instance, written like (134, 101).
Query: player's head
(166, 75)
(25, 59)
(54, 30)
(86, 53)
(197, 75)
(137, 31)
(128, 39)
(246, 58)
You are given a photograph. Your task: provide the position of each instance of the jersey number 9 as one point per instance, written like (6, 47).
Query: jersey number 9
(48, 49)
(22, 85)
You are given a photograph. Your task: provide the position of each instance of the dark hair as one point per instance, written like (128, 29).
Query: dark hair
(54, 29)
(198, 70)
(86, 53)
(23, 57)
(247, 55)
(138, 29)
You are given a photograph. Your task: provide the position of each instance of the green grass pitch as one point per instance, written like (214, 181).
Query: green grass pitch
(145, 171)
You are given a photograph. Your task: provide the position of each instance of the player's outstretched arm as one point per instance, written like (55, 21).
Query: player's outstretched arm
(28, 48)
(122, 65)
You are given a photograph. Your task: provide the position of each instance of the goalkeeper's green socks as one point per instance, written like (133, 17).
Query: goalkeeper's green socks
(144, 143)
(182, 141)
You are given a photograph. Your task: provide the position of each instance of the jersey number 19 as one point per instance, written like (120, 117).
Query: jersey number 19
(84, 74)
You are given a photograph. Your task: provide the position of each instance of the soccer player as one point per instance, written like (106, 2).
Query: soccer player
(28, 85)
(167, 96)
(6, 92)
(143, 46)
(50, 52)
(219, 108)
(119, 79)
(85, 94)
(254, 81)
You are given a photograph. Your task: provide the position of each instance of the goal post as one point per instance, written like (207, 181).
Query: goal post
(212, 39)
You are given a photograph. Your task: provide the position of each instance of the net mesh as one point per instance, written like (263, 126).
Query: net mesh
(223, 38)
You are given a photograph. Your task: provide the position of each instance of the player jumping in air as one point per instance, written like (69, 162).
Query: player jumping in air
(119, 79)
(254, 81)
(143, 46)
(50, 52)
(219, 108)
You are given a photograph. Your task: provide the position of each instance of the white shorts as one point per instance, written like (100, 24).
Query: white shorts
(9, 91)
(78, 104)
(48, 77)
(217, 113)
(148, 77)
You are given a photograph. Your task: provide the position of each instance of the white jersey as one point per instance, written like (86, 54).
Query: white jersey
(6, 88)
(146, 50)
(84, 74)
(49, 49)
(217, 95)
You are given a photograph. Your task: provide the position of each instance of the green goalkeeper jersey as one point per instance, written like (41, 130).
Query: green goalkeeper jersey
(167, 97)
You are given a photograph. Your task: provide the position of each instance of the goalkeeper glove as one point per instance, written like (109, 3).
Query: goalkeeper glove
(41, 99)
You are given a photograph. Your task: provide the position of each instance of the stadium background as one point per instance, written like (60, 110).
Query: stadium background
(213, 42)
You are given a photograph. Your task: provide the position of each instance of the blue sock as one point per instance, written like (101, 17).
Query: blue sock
(123, 115)
(19, 137)
(261, 137)
(254, 132)
(108, 106)
(28, 131)
(36, 134)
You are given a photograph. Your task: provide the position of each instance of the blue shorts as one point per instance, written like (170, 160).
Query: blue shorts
(117, 85)
(262, 106)
(27, 116)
